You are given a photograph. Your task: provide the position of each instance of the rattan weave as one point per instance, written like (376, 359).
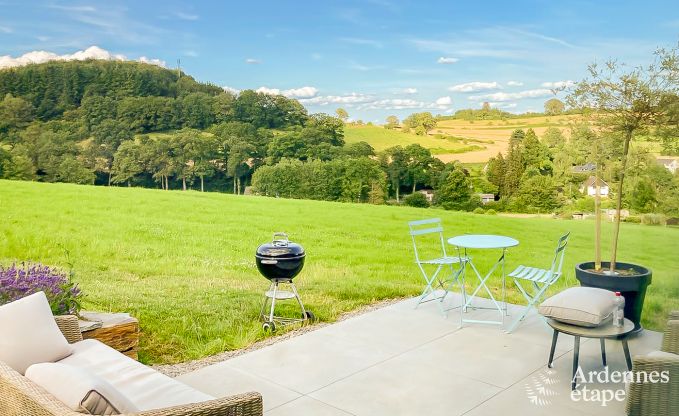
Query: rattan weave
(21, 397)
(657, 399)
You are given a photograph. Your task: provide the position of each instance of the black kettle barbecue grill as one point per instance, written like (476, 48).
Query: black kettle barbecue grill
(280, 261)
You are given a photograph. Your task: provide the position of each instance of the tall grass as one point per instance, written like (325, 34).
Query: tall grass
(183, 262)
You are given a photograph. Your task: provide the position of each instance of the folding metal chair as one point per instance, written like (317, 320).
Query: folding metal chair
(540, 279)
(432, 227)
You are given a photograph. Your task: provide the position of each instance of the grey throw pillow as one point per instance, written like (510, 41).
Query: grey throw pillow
(582, 306)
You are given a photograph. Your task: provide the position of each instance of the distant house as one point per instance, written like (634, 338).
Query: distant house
(670, 164)
(586, 168)
(428, 193)
(589, 187)
(486, 198)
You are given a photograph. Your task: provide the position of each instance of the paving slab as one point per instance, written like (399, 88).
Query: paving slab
(402, 360)
(220, 380)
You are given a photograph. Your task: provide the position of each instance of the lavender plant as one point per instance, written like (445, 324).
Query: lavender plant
(22, 279)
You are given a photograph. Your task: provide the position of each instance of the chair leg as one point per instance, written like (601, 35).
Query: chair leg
(531, 304)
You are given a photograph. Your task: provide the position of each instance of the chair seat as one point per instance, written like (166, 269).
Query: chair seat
(533, 274)
(444, 260)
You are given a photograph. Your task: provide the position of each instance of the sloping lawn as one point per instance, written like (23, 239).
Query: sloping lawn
(183, 262)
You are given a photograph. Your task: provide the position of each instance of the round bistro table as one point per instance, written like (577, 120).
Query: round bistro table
(484, 242)
(601, 332)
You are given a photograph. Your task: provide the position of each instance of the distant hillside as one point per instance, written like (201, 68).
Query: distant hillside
(55, 87)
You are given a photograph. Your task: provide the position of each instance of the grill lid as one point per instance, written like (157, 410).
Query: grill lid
(280, 248)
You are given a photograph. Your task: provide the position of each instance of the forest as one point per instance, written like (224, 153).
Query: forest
(134, 124)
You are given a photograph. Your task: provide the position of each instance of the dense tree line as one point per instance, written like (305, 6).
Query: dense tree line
(537, 175)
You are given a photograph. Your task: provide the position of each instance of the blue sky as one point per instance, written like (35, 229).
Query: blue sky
(372, 57)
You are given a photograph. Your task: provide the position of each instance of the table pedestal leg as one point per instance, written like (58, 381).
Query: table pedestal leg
(576, 357)
(550, 363)
(625, 348)
(603, 351)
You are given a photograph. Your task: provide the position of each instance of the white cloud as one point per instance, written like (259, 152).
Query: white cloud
(410, 90)
(302, 92)
(186, 16)
(446, 60)
(501, 105)
(6, 29)
(509, 96)
(93, 52)
(514, 83)
(152, 61)
(230, 89)
(393, 104)
(267, 90)
(353, 98)
(475, 86)
(444, 101)
(364, 42)
(558, 84)
(252, 61)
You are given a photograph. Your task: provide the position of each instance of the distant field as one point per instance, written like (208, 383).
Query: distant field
(484, 138)
(494, 134)
(380, 138)
(183, 262)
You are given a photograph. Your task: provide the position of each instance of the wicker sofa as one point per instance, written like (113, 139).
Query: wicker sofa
(658, 399)
(21, 397)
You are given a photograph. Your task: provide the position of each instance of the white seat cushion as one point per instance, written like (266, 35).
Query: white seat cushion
(582, 306)
(79, 389)
(147, 389)
(29, 334)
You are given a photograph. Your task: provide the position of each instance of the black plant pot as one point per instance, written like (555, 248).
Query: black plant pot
(632, 287)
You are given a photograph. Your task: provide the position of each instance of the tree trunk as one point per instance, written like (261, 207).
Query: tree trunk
(414, 185)
(202, 185)
(235, 190)
(183, 183)
(398, 185)
(597, 212)
(618, 201)
(109, 177)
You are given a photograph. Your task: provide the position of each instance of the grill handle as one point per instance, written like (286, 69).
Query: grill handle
(280, 241)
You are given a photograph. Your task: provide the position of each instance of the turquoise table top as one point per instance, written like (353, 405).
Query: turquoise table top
(482, 241)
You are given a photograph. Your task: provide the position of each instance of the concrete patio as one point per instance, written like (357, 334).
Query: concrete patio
(404, 361)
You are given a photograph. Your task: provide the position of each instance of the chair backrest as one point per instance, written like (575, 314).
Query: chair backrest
(421, 228)
(557, 262)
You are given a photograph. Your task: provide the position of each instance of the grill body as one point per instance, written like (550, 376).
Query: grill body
(280, 261)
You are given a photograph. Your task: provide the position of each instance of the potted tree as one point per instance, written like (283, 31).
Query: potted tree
(623, 102)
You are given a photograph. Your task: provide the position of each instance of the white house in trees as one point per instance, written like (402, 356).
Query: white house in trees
(589, 187)
(670, 164)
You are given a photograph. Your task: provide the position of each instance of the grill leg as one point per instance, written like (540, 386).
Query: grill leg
(262, 313)
(299, 300)
(273, 300)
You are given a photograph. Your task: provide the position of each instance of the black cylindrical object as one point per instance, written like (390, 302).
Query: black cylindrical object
(280, 259)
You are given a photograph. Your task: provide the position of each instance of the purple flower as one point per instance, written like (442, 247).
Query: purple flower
(23, 279)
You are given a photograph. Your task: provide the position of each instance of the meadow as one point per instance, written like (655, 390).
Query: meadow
(183, 262)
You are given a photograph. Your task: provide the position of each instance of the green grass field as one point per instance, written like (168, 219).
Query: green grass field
(183, 262)
(380, 138)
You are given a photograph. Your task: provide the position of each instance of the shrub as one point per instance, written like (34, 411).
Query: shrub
(20, 280)
(653, 219)
(479, 210)
(491, 212)
(633, 219)
(416, 199)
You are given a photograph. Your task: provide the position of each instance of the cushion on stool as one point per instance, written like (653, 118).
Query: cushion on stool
(581, 306)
